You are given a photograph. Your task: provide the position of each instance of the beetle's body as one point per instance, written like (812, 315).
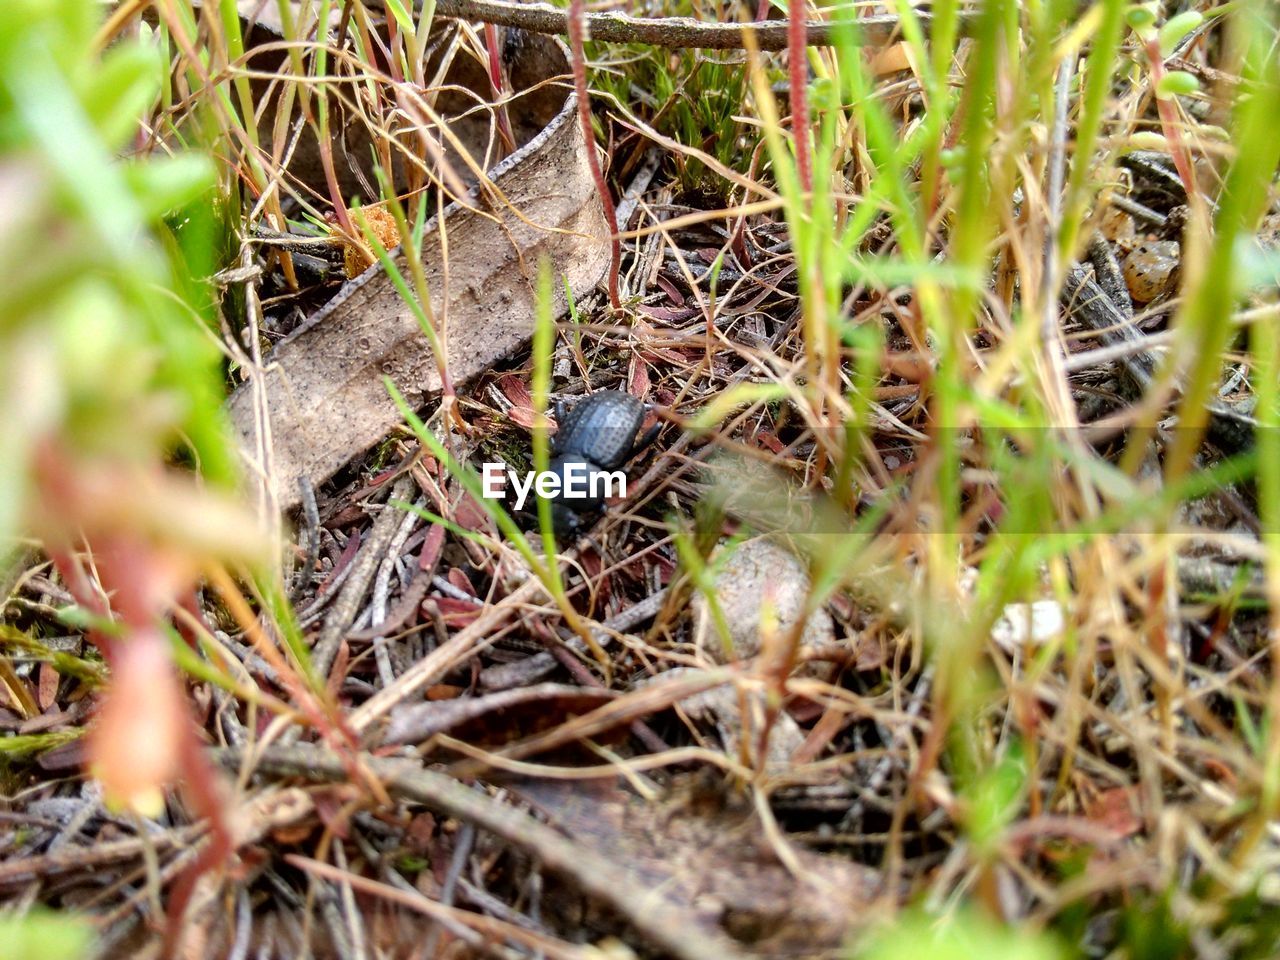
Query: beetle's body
(599, 429)
(599, 432)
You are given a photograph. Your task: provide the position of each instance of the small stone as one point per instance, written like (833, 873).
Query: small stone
(758, 572)
(1034, 623)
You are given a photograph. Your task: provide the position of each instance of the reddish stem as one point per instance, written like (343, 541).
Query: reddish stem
(1169, 123)
(200, 779)
(797, 36)
(499, 85)
(78, 586)
(577, 17)
(393, 62)
(202, 789)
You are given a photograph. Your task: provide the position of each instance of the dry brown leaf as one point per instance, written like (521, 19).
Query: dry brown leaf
(322, 386)
(48, 686)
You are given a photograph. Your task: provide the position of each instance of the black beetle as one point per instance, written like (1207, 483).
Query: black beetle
(596, 436)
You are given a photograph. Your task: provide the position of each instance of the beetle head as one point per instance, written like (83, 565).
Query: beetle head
(565, 520)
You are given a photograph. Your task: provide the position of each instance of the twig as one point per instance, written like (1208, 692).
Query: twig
(457, 863)
(382, 591)
(345, 608)
(311, 518)
(640, 702)
(460, 645)
(879, 775)
(1089, 304)
(244, 927)
(1088, 359)
(455, 593)
(671, 31)
(526, 671)
(354, 930)
(492, 930)
(88, 859)
(639, 184)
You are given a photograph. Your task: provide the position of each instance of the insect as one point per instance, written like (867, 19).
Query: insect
(597, 435)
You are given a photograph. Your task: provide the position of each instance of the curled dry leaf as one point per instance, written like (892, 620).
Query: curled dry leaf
(517, 391)
(322, 386)
(469, 515)
(47, 688)
(638, 377)
(453, 613)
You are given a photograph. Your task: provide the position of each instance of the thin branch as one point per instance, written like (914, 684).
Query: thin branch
(669, 31)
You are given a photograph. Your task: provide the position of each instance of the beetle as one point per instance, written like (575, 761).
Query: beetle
(597, 435)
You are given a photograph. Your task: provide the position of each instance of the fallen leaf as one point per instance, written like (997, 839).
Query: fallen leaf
(515, 390)
(452, 612)
(670, 314)
(470, 515)
(431, 548)
(460, 580)
(523, 416)
(323, 386)
(638, 377)
(1116, 809)
(671, 290)
(47, 691)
